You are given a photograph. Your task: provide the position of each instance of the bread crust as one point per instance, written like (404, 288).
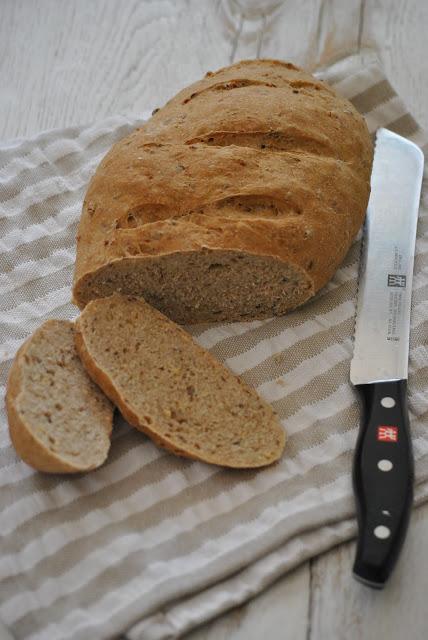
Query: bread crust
(30, 448)
(105, 381)
(259, 158)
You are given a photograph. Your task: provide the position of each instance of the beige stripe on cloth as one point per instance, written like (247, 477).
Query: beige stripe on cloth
(150, 545)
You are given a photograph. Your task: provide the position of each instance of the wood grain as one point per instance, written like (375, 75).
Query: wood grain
(65, 63)
(398, 31)
(313, 33)
(308, 34)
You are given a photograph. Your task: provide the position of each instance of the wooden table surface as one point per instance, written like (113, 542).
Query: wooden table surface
(65, 62)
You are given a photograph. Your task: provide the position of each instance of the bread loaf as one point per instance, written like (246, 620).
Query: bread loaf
(169, 387)
(59, 420)
(238, 199)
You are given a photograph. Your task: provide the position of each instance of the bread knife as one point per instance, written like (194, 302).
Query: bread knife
(383, 460)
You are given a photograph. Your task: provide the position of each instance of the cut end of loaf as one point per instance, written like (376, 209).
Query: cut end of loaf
(203, 286)
(59, 420)
(169, 387)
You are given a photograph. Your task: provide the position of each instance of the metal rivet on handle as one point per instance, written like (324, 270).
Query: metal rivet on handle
(388, 402)
(385, 465)
(382, 532)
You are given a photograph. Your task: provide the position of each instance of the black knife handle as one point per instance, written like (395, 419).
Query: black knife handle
(383, 480)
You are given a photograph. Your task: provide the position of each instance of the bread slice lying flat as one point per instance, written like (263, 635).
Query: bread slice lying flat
(59, 420)
(172, 389)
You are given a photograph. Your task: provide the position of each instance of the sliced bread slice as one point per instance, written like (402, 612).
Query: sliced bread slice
(172, 389)
(59, 420)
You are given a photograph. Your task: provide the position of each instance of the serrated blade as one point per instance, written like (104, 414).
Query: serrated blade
(382, 325)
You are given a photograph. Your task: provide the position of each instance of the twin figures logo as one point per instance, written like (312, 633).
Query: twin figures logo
(396, 280)
(387, 433)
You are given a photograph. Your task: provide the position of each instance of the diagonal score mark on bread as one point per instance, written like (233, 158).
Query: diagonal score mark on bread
(237, 200)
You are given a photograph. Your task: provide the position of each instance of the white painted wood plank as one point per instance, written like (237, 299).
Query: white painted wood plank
(252, 19)
(343, 608)
(398, 30)
(279, 613)
(314, 32)
(308, 34)
(64, 63)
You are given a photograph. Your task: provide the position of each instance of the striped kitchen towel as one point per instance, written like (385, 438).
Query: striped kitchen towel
(151, 545)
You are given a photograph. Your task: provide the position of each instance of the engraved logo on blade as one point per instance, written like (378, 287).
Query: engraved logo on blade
(396, 280)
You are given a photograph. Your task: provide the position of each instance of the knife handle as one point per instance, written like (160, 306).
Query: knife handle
(383, 480)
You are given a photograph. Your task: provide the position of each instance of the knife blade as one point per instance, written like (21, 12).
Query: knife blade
(383, 460)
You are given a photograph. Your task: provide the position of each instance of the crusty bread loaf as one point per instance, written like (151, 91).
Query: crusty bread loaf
(238, 199)
(59, 420)
(169, 387)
